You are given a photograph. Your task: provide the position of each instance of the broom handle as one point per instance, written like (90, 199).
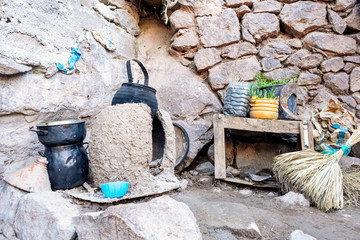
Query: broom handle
(306, 135)
(354, 138)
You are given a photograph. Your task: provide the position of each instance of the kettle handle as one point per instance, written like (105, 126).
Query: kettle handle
(42, 154)
(39, 132)
(129, 73)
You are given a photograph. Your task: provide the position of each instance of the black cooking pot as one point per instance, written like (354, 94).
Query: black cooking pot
(60, 133)
(136, 93)
(68, 165)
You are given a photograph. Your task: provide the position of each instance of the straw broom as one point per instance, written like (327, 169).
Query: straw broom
(351, 185)
(318, 176)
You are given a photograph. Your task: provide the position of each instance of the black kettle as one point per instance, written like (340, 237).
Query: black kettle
(136, 93)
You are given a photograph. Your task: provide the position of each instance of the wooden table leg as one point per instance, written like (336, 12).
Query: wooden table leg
(219, 147)
(311, 136)
(308, 127)
(302, 137)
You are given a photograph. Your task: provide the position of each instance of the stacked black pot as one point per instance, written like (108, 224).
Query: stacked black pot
(68, 163)
(131, 92)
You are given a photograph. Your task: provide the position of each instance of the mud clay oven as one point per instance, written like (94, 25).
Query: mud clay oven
(121, 149)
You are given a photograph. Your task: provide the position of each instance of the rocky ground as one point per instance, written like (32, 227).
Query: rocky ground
(202, 209)
(188, 62)
(228, 211)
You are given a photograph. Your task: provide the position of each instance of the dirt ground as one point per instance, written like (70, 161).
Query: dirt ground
(217, 205)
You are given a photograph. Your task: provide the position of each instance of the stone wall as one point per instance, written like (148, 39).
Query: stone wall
(35, 35)
(43, 33)
(315, 41)
(211, 43)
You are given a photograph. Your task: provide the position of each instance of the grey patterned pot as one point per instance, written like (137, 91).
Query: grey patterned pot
(237, 99)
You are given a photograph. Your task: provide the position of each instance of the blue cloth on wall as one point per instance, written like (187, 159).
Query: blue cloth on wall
(74, 57)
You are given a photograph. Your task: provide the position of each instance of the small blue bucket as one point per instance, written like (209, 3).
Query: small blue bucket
(114, 189)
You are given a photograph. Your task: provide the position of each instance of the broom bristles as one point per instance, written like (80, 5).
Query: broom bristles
(351, 185)
(324, 187)
(309, 173)
(316, 175)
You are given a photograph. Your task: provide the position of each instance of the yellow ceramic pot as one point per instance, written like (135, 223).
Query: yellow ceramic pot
(264, 108)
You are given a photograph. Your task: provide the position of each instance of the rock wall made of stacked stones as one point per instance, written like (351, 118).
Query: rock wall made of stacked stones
(34, 35)
(212, 42)
(315, 41)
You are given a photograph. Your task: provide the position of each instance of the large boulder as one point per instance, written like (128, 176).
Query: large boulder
(337, 82)
(40, 41)
(303, 17)
(269, 64)
(185, 98)
(261, 25)
(238, 50)
(206, 168)
(338, 24)
(334, 64)
(242, 10)
(343, 5)
(304, 59)
(288, 1)
(353, 20)
(269, 6)
(242, 69)
(9, 200)
(217, 215)
(349, 67)
(354, 59)
(120, 17)
(46, 215)
(276, 50)
(219, 30)
(300, 235)
(160, 218)
(355, 80)
(185, 39)
(356, 96)
(182, 18)
(204, 7)
(332, 44)
(283, 73)
(294, 43)
(292, 199)
(180, 91)
(246, 36)
(349, 100)
(126, 21)
(349, 162)
(322, 98)
(125, 5)
(206, 58)
(237, 3)
(9, 66)
(40, 31)
(308, 78)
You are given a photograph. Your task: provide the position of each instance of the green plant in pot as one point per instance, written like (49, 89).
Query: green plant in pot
(263, 103)
(263, 83)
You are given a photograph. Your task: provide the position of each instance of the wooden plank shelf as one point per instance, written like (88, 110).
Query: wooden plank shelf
(253, 184)
(222, 122)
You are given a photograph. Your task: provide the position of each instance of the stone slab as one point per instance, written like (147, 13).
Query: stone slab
(98, 197)
(160, 218)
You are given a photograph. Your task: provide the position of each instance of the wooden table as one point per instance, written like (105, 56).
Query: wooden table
(221, 122)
